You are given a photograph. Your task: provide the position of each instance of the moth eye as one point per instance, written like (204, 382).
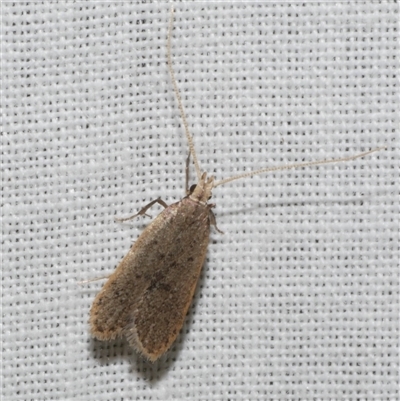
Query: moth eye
(209, 197)
(191, 189)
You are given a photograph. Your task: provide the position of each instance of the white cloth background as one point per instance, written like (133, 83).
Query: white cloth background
(299, 299)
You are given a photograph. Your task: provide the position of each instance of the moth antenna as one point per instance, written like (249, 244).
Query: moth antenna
(296, 165)
(178, 97)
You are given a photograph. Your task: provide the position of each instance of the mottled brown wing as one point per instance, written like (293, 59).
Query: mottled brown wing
(147, 297)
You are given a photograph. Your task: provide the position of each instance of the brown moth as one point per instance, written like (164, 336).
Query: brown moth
(165, 264)
(147, 297)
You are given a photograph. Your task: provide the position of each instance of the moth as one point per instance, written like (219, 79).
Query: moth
(147, 297)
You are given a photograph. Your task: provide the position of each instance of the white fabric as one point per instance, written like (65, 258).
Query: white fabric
(299, 299)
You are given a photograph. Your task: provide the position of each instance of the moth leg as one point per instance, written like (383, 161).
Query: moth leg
(213, 220)
(143, 211)
(93, 279)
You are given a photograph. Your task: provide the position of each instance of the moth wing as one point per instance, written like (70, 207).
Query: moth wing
(147, 297)
(161, 311)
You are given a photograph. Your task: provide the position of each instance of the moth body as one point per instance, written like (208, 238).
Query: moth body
(147, 297)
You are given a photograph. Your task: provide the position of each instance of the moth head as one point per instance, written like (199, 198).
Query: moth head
(202, 191)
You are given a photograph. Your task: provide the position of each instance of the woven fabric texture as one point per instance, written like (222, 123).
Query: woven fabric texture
(299, 299)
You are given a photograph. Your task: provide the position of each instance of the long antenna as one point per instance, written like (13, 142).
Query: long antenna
(296, 165)
(250, 173)
(178, 97)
